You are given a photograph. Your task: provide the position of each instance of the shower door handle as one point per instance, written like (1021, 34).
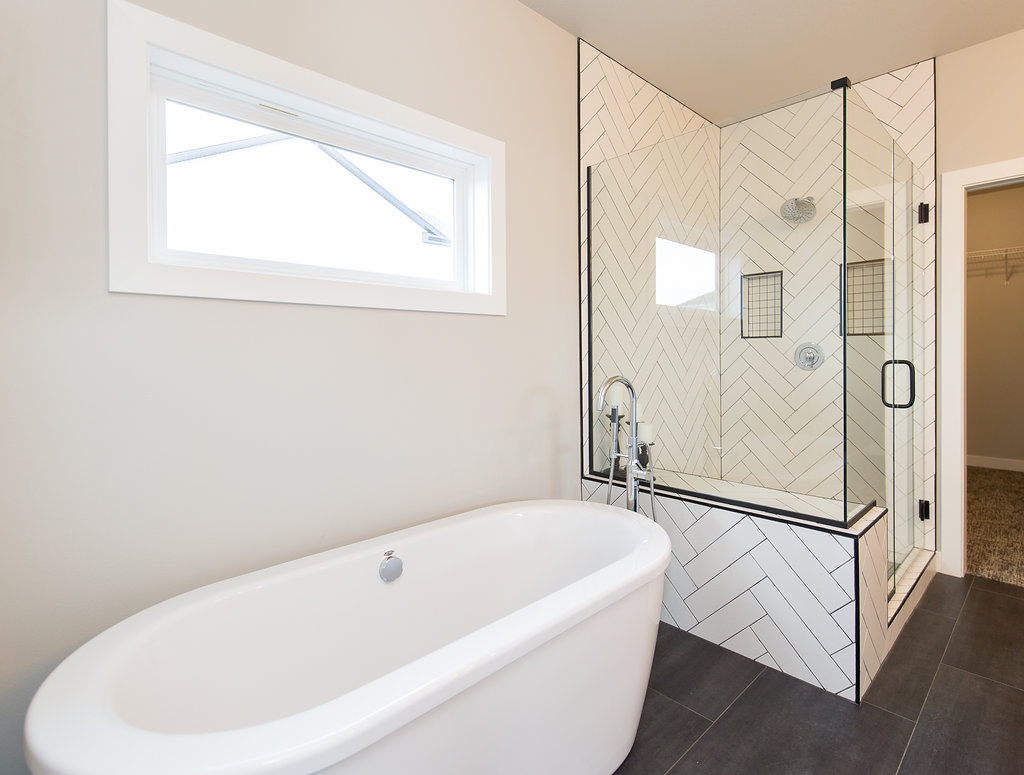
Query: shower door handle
(913, 384)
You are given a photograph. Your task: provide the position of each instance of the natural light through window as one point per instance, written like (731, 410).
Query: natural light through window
(684, 276)
(236, 175)
(238, 189)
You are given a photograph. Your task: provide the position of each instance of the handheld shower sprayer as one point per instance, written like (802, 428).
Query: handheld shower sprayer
(635, 471)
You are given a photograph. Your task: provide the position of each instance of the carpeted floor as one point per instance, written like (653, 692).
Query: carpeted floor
(995, 524)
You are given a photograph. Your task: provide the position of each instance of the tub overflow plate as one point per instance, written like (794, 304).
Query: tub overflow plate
(808, 356)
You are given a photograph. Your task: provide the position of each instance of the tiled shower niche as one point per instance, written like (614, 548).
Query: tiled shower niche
(761, 308)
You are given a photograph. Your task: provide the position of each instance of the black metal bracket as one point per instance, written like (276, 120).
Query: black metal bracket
(924, 510)
(839, 83)
(923, 212)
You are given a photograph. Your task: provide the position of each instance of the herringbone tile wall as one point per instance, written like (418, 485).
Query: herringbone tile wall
(782, 426)
(778, 593)
(668, 190)
(620, 113)
(873, 591)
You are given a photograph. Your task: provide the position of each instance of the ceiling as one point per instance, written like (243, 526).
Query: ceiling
(730, 58)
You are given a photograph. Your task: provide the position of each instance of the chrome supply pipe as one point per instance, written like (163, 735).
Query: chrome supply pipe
(613, 451)
(648, 446)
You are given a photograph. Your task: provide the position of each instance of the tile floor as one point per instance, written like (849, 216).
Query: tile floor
(948, 699)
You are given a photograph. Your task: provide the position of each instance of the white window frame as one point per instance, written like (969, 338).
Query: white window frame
(151, 58)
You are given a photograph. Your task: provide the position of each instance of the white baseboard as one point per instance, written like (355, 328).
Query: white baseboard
(1002, 463)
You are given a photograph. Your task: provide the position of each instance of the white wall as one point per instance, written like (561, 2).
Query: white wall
(994, 218)
(152, 444)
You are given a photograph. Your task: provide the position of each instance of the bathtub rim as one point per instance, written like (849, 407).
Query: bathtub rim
(85, 718)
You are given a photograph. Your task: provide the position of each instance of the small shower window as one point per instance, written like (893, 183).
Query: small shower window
(761, 305)
(865, 298)
(684, 275)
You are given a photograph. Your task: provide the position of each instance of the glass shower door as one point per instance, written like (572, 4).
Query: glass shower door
(902, 392)
(878, 288)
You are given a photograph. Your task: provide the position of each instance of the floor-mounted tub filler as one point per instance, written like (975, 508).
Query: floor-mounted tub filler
(511, 639)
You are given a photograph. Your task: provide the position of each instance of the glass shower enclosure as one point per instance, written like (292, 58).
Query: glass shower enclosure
(760, 284)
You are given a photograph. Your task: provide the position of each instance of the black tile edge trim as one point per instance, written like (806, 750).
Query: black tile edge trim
(588, 434)
(579, 249)
(820, 524)
(856, 614)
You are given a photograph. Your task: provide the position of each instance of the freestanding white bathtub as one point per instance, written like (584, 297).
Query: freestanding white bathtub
(518, 640)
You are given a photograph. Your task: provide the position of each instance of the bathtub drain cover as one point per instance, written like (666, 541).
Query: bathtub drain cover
(390, 567)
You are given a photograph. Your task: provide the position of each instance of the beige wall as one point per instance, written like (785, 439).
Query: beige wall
(980, 120)
(152, 444)
(979, 112)
(995, 318)
(995, 218)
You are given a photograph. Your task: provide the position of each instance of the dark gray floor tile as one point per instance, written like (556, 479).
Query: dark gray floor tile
(946, 594)
(666, 730)
(989, 638)
(988, 585)
(902, 684)
(701, 675)
(968, 725)
(783, 725)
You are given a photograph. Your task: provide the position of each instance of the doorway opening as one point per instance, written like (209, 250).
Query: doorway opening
(994, 359)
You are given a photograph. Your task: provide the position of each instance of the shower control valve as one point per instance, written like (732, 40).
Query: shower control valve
(808, 356)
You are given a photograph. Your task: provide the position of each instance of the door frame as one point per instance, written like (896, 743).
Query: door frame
(951, 449)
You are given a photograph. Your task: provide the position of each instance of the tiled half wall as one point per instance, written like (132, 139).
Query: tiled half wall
(788, 595)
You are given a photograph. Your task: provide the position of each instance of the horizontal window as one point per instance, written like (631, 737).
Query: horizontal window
(264, 181)
(243, 196)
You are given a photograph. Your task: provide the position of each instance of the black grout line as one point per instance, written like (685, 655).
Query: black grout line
(936, 675)
(936, 613)
(712, 724)
(993, 591)
(683, 705)
(890, 712)
(983, 677)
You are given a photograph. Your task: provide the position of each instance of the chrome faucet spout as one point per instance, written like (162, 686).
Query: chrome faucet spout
(634, 471)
